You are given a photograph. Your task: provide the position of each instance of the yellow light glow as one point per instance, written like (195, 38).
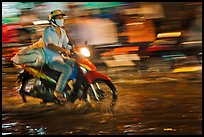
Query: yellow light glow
(169, 34)
(85, 52)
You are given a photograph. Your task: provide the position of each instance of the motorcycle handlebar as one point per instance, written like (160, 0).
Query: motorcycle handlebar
(72, 55)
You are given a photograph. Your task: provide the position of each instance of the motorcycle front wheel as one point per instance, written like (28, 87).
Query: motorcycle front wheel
(101, 95)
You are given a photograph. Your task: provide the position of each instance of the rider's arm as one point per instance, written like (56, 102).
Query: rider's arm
(49, 44)
(57, 48)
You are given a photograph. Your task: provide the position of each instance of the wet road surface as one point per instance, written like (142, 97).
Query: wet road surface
(148, 104)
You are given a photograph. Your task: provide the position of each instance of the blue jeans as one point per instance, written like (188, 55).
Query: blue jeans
(66, 69)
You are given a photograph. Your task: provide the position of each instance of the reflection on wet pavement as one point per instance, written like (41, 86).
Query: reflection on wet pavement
(146, 108)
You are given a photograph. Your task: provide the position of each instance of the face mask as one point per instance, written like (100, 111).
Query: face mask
(59, 22)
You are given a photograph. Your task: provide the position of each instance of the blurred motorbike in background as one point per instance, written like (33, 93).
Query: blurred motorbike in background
(174, 50)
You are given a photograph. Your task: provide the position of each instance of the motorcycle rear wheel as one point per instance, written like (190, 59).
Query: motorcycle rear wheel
(32, 90)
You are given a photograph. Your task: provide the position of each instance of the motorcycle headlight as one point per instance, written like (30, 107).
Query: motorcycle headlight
(85, 52)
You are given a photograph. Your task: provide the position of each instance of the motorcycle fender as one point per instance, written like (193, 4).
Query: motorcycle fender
(93, 75)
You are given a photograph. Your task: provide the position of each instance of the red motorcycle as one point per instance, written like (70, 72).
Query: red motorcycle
(90, 85)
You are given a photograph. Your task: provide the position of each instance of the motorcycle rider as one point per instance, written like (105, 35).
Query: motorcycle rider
(56, 41)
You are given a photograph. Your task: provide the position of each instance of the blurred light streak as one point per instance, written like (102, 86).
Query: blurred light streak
(187, 69)
(169, 34)
(192, 42)
(38, 22)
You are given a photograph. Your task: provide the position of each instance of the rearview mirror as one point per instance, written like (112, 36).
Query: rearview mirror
(86, 42)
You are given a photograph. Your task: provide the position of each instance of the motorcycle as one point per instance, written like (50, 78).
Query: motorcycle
(91, 86)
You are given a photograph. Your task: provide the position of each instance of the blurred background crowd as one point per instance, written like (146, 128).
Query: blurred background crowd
(119, 28)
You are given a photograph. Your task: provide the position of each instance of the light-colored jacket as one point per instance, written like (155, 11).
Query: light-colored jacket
(50, 36)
